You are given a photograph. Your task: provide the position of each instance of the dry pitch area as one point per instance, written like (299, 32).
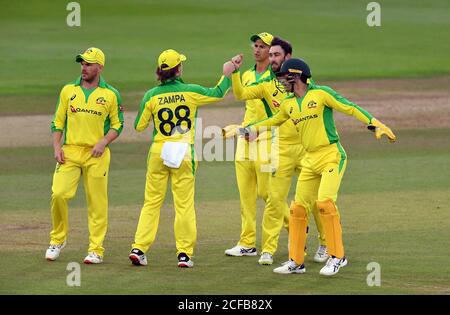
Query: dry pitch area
(402, 104)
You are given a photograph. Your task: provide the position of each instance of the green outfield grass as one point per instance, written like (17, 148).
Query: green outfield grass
(395, 210)
(38, 48)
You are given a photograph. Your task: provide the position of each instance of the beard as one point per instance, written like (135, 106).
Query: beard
(88, 77)
(276, 67)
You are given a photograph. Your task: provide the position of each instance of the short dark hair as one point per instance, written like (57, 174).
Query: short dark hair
(166, 75)
(285, 45)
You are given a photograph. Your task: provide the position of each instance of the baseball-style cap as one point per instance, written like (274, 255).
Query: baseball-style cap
(265, 37)
(170, 58)
(92, 55)
(295, 66)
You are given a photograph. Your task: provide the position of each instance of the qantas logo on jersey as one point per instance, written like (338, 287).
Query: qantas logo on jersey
(171, 99)
(275, 103)
(296, 121)
(82, 110)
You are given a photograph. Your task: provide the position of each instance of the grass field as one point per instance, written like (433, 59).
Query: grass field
(395, 211)
(331, 35)
(394, 200)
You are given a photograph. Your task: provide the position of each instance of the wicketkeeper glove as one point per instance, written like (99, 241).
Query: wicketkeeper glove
(381, 129)
(244, 131)
(230, 131)
(248, 133)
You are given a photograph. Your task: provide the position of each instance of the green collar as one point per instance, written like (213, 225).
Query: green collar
(311, 85)
(267, 68)
(272, 74)
(172, 81)
(101, 82)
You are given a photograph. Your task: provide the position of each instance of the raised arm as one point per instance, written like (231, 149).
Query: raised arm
(256, 90)
(203, 95)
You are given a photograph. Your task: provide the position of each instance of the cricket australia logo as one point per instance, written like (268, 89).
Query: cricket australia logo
(312, 104)
(101, 101)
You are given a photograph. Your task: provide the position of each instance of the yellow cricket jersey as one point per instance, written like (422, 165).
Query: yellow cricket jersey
(271, 93)
(86, 116)
(312, 114)
(172, 106)
(254, 108)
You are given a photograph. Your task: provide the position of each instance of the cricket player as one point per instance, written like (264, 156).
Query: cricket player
(310, 108)
(89, 115)
(286, 150)
(252, 178)
(172, 106)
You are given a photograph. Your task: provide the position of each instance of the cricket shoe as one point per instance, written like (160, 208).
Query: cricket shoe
(290, 267)
(93, 258)
(137, 257)
(239, 251)
(321, 254)
(53, 251)
(266, 259)
(184, 261)
(333, 265)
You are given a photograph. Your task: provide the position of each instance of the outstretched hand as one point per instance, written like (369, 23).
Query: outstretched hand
(381, 129)
(248, 133)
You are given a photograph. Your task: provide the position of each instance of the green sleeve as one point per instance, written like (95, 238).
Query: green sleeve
(59, 118)
(343, 105)
(143, 117)
(203, 95)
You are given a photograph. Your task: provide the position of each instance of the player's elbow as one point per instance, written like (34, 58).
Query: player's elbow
(139, 128)
(238, 96)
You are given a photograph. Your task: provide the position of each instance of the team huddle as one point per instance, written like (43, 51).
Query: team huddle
(288, 129)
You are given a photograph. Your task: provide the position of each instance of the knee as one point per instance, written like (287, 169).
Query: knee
(275, 196)
(59, 194)
(262, 192)
(326, 207)
(298, 210)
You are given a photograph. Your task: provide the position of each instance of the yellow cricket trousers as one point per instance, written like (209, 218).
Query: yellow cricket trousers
(319, 181)
(183, 189)
(253, 181)
(286, 161)
(79, 161)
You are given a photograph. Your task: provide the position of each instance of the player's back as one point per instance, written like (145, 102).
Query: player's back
(172, 106)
